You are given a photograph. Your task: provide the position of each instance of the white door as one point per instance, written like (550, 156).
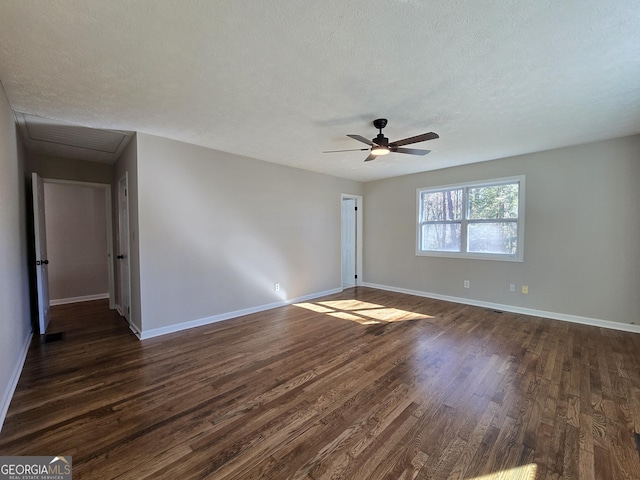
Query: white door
(348, 242)
(40, 233)
(123, 248)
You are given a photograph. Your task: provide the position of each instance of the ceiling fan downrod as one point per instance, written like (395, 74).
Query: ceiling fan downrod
(381, 140)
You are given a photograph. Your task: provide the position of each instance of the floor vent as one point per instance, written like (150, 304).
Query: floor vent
(53, 337)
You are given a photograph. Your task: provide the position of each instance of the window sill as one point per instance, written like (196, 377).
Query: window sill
(472, 256)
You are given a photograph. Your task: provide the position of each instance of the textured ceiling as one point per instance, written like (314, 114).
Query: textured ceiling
(286, 79)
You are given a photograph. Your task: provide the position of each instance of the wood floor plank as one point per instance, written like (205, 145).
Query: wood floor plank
(364, 384)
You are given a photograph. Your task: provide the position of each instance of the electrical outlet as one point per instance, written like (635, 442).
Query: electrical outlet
(467, 284)
(512, 287)
(525, 290)
(276, 287)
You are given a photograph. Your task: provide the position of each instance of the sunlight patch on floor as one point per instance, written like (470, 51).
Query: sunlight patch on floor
(364, 313)
(353, 318)
(350, 305)
(526, 472)
(314, 307)
(393, 315)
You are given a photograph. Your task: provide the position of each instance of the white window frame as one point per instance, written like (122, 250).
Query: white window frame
(517, 257)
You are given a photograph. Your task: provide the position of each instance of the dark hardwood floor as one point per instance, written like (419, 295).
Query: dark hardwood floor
(365, 384)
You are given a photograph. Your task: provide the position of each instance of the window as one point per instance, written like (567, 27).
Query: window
(475, 220)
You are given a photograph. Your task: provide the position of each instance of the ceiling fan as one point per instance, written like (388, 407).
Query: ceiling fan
(381, 145)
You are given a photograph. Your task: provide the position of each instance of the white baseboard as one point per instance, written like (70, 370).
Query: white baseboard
(85, 298)
(155, 332)
(594, 322)
(13, 383)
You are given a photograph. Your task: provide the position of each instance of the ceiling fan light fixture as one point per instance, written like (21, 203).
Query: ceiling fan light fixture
(379, 150)
(381, 145)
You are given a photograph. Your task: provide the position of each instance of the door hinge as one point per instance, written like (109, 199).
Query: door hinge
(128, 309)
(125, 192)
(356, 209)
(355, 276)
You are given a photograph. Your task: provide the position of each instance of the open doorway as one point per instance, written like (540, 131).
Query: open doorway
(351, 240)
(79, 242)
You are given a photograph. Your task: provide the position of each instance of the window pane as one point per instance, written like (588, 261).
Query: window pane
(496, 201)
(442, 206)
(441, 237)
(499, 237)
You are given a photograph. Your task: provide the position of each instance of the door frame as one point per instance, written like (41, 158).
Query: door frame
(41, 277)
(109, 212)
(358, 232)
(124, 310)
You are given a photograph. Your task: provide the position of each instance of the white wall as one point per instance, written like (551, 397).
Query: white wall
(15, 324)
(582, 248)
(76, 223)
(218, 230)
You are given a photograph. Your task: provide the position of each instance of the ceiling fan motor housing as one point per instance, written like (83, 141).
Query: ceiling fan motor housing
(381, 140)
